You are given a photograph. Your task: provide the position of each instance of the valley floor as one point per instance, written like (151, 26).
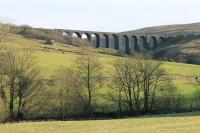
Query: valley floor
(176, 123)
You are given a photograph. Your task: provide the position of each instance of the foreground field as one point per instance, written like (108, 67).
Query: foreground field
(180, 123)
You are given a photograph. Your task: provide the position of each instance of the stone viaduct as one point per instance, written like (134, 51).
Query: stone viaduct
(125, 42)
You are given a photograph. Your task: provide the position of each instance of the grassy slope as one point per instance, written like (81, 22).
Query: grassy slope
(183, 51)
(52, 57)
(181, 123)
(180, 51)
(171, 29)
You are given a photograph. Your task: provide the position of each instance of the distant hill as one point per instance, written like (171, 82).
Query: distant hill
(193, 28)
(186, 52)
(183, 47)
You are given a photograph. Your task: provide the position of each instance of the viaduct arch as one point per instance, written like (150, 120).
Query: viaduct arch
(125, 42)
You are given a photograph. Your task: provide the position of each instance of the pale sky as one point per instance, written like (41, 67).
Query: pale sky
(99, 15)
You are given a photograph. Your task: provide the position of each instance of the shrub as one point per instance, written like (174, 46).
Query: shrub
(3, 112)
(47, 34)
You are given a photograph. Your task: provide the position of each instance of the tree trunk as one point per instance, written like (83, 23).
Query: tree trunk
(119, 103)
(146, 98)
(89, 91)
(146, 93)
(20, 113)
(61, 105)
(130, 100)
(11, 107)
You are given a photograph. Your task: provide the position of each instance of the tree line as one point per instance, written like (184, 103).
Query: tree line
(136, 86)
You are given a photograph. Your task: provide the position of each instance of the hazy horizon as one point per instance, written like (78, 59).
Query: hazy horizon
(96, 15)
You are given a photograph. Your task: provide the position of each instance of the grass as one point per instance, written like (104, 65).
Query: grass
(51, 57)
(186, 87)
(178, 123)
(182, 69)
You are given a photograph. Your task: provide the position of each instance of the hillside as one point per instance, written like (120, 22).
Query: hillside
(193, 28)
(50, 57)
(183, 47)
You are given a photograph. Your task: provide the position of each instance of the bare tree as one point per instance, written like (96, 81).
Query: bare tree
(153, 80)
(115, 96)
(88, 67)
(141, 81)
(197, 92)
(6, 34)
(3, 103)
(65, 83)
(124, 77)
(150, 76)
(9, 64)
(198, 80)
(28, 84)
(170, 98)
(19, 68)
(126, 80)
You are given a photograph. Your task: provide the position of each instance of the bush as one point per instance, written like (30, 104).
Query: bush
(46, 34)
(49, 42)
(170, 99)
(180, 39)
(3, 112)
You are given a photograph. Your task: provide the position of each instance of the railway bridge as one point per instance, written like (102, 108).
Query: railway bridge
(125, 42)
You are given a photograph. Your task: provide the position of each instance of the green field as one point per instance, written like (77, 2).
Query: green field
(181, 123)
(49, 58)
(52, 57)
